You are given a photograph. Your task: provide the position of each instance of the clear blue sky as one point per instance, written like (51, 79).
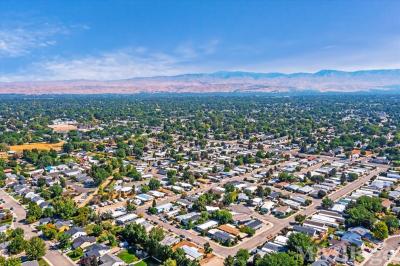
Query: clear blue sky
(47, 40)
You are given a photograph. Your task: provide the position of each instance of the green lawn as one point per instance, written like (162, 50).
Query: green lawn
(42, 262)
(141, 263)
(127, 256)
(74, 255)
(7, 221)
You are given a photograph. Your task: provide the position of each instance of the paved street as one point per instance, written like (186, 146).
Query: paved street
(53, 256)
(382, 257)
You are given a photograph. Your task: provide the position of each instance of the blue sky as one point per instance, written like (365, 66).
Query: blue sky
(71, 39)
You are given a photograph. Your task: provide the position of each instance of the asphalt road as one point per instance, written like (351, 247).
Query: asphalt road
(52, 256)
(382, 257)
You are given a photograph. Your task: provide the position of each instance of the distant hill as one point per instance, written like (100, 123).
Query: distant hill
(387, 80)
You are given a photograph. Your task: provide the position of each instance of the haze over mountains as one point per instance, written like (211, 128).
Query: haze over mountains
(387, 80)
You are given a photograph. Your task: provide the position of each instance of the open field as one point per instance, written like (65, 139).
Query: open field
(63, 128)
(39, 146)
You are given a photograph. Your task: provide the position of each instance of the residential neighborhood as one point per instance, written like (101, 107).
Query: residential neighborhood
(147, 197)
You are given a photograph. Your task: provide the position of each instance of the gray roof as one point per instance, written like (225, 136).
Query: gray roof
(109, 260)
(30, 263)
(303, 229)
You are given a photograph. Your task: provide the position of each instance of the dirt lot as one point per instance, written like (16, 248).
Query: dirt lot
(39, 146)
(63, 128)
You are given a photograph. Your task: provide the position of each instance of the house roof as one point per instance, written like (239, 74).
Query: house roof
(229, 229)
(75, 230)
(304, 229)
(109, 260)
(30, 263)
(254, 223)
(83, 239)
(352, 238)
(95, 250)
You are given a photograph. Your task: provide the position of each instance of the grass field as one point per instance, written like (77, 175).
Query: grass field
(39, 146)
(127, 256)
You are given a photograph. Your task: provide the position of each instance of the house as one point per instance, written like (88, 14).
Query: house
(274, 195)
(282, 210)
(271, 247)
(386, 203)
(184, 203)
(192, 252)
(83, 242)
(254, 224)
(220, 236)
(352, 238)
(305, 190)
(299, 199)
(211, 209)
(62, 225)
(164, 207)
(185, 219)
(281, 240)
(44, 221)
(144, 197)
(30, 263)
(336, 253)
(110, 260)
(242, 197)
(169, 241)
(230, 229)
(126, 218)
(362, 231)
(207, 225)
(395, 194)
(96, 250)
(304, 229)
(76, 232)
(267, 207)
(321, 263)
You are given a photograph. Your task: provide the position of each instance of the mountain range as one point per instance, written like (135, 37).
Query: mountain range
(385, 80)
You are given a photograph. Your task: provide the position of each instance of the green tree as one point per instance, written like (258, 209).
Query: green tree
(97, 230)
(207, 248)
(392, 223)
(156, 234)
(169, 262)
(16, 245)
(380, 230)
(56, 190)
(154, 184)
(65, 208)
(13, 261)
(327, 203)
(302, 244)
(278, 259)
(222, 216)
(64, 241)
(35, 248)
(34, 212)
(300, 218)
(359, 216)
